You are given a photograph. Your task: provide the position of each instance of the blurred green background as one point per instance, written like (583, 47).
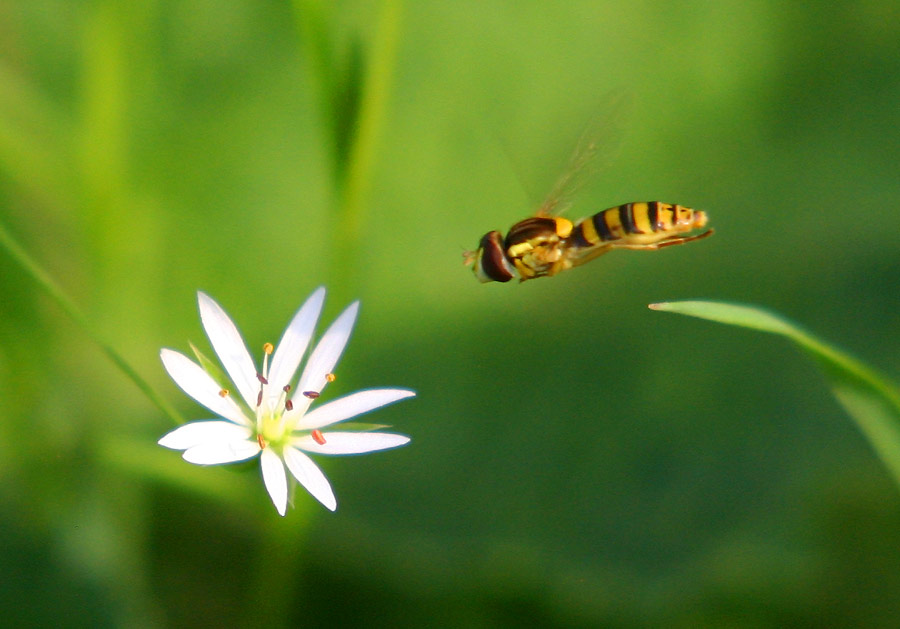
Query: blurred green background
(577, 460)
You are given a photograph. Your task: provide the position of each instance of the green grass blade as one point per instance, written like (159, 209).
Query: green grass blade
(354, 85)
(313, 18)
(361, 426)
(9, 244)
(374, 89)
(34, 144)
(870, 399)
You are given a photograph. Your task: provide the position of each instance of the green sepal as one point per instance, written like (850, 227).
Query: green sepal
(212, 368)
(360, 426)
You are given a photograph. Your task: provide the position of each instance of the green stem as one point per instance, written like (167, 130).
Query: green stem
(312, 29)
(43, 279)
(354, 155)
(276, 573)
(369, 120)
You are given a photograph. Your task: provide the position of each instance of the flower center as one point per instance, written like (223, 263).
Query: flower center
(271, 429)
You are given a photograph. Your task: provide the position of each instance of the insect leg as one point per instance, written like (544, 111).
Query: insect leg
(581, 256)
(668, 242)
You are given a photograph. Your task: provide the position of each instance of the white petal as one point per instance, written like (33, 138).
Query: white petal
(310, 476)
(294, 342)
(200, 385)
(196, 433)
(351, 406)
(275, 479)
(225, 451)
(350, 442)
(328, 351)
(230, 348)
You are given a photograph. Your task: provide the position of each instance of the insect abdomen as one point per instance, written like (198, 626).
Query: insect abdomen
(636, 222)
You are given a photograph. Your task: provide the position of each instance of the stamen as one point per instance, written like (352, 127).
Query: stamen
(330, 377)
(223, 393)
(261, 441)
(311, 394)
(288, 405)
(267, 350)
(318, 437)
(286, 388)
(259, 398)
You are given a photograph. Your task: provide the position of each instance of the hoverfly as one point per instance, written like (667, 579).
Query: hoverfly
(547, 243)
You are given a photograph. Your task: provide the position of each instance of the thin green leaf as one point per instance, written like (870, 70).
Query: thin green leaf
(313, 19)
(347, 96)
(43, 280)
(34, 141)
(362, 426)
(868, 397)
(354, 85)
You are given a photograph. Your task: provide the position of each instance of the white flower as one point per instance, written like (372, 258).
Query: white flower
(268, 418)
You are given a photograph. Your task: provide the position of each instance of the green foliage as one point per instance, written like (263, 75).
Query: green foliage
(872, 402)
(576, 460)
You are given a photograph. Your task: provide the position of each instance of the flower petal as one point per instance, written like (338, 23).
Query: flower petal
(275, 479)
(310, 476)
(325, 356)
(223, 451)
(196, 433)
(350, 442)
(200, 385)
(351, 406)
(230, 348)
(294, 342)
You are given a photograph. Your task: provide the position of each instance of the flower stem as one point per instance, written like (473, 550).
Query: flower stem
(43, 279)
(276, 574)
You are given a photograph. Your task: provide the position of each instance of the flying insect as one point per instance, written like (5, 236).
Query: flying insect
(547, 243)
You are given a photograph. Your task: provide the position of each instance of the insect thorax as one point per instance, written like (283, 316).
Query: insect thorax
(535, 246)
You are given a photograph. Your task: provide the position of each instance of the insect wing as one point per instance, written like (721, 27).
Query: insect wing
(603, 131)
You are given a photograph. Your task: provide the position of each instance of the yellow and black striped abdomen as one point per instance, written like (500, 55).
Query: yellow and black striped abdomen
(635, 223)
